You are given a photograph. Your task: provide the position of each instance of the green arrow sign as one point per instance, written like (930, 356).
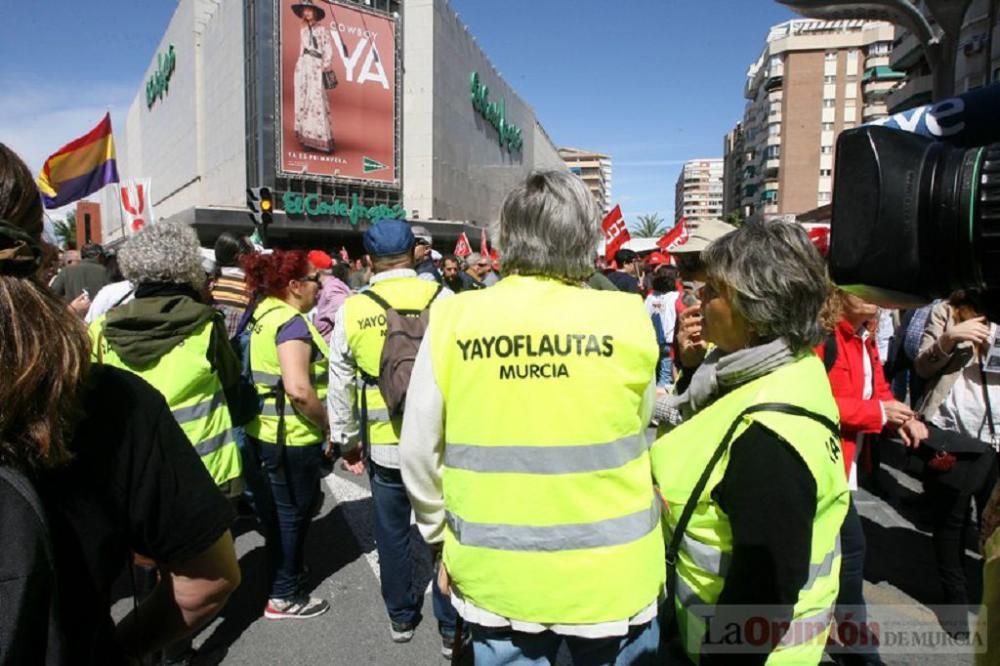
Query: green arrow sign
(373, 165)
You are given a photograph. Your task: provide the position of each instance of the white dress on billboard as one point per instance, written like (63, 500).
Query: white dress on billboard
(313, 124)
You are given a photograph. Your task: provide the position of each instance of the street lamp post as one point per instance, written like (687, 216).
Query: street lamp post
(939, 44)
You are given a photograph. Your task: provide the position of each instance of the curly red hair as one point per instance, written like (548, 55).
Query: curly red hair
(269, 274)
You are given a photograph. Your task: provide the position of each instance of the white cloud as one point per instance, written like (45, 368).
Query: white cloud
(36, 118)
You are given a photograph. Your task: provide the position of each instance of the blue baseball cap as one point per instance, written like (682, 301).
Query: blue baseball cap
(388, 237)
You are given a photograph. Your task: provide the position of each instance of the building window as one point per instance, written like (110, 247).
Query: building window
(829, 103)
(829, 79)
(826, 150)
(830, 56)
(827, 127)
(774, 129)
(772, 152)
(826, 172)
(824, 197)
(880, 48)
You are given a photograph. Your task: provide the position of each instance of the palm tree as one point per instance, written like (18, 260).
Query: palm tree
(65, 230)
(649, 226)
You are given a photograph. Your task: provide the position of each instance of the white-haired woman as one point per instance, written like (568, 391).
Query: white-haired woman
(753, 477)
(178, 343)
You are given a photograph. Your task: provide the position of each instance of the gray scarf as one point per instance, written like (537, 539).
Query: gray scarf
(720, 373)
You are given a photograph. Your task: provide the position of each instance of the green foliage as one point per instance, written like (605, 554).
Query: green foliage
(66, 231)
(649, 226)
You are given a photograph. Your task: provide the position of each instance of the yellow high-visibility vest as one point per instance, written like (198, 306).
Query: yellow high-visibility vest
(550, 507)
(365, 328)
(193, 392)
(679, 460)
(271, 314)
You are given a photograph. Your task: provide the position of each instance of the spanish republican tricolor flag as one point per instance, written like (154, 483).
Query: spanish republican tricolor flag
(80, 168)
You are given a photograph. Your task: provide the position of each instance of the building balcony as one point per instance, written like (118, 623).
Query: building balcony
(773, 83)
(878, 89)
(912, 92)
(873, 111)
(773, 140)
(881, 60)
(906, 52)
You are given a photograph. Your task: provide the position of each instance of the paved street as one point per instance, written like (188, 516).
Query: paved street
(341, 553)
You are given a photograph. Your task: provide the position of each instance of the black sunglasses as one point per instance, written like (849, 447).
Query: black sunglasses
(315, 277)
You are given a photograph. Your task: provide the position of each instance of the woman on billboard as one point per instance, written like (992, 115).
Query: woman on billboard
(314, 77)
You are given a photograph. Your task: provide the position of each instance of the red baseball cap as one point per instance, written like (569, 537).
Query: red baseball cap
(320, 260)
(657, 259)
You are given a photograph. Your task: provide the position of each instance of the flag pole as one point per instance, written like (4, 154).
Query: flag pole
(121, 210)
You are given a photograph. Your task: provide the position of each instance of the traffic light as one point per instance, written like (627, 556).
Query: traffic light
(260, 203)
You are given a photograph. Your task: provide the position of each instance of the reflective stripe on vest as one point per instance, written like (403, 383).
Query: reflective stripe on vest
(199, 410)
(575, 536)
(706, 547)
(546, 473)
(193, 392)
(365, 328)
(800, 631)
(272, 314)
(570, 459)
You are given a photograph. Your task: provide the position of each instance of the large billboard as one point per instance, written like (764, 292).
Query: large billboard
(337, 67)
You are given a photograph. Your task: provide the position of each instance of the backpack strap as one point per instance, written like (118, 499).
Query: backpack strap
(830, 352)
(673, 548)
(384, 304)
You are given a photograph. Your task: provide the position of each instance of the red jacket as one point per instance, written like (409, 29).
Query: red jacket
(847, 381)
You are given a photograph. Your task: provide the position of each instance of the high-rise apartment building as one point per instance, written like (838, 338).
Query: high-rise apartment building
(698, 193)
(977, 58)
(594, 169)
(812, 80)
(733, 156)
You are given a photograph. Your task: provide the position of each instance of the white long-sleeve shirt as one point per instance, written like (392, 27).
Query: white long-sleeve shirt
(421, 453)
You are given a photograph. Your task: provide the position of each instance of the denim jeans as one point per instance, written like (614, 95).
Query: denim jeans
(665, 371)
(295, 488)
(403, 600)
(502, 647)
(860, 645)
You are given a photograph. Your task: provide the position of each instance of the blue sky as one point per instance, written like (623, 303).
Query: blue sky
(650, 82)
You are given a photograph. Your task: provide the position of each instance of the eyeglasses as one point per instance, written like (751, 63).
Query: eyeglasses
(315, 277)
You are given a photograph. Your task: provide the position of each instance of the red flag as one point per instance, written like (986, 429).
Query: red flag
(820, 236)
(495, 257)
(484, 250)
(463, 248)
(677, 234)
(615, 232)
(343, 255)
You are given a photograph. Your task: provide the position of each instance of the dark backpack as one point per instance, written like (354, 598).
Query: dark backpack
(404, 331)
(830, 352)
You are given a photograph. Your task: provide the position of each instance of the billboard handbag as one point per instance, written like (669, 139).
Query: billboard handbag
(329, 79)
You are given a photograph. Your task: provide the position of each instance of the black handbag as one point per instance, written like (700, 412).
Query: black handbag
(942, 447)
(330, 80)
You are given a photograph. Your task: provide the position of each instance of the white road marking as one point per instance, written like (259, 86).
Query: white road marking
(345, 491)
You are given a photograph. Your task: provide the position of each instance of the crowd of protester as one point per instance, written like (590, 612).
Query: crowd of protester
(217, 382)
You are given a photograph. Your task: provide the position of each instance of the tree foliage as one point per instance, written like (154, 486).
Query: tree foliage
(65, 231)
(649, 226)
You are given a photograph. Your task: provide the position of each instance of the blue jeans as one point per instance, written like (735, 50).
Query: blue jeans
(860, 643)
(295, 489)
(502, 647)
(665, 371)
(392, 539)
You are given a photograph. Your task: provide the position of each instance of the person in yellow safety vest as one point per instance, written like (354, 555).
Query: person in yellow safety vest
(176, 342)
(172, 338)
(753, 476)
(524, 445)
(288, 360)
(359, 333)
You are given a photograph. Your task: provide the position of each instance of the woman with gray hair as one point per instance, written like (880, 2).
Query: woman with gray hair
(172, 339)
(524, 449)
(753, 476)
